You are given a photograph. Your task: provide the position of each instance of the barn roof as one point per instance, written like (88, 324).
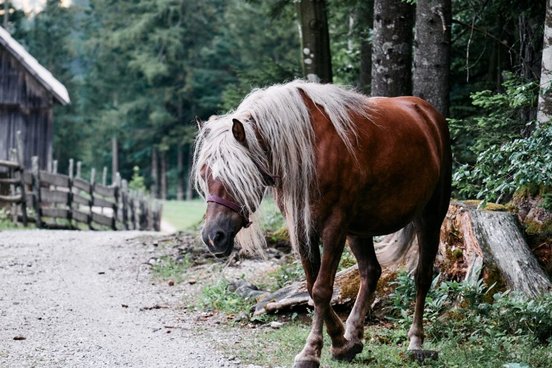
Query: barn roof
(33, 67)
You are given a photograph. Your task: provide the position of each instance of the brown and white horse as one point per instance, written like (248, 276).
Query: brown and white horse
(344, 168)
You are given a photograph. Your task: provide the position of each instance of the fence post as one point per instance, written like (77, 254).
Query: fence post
(156, 213)
(37, 200)
(104, 176)
(79, 166)
(55, 167)
(150, 208)
(13, 191)
(116, 194)
(124, 204)
(21, 162)
(71, 168)
(91, 201)
(132, 207)
(70, 194)
(143, 213)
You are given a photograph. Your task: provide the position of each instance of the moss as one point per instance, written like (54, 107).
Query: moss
(496, 207)
(492, 277)
(489, 206)
(537, 228)
(457, 253)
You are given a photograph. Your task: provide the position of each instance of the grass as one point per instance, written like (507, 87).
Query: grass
(511, 331)
(184, 215)
(168, 268)
(6, 222)
(218, 297)
(386, 348)
(187, 215)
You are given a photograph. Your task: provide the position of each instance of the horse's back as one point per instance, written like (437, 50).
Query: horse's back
(403, 154)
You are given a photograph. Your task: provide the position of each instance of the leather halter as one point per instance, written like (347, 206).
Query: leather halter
(231, 205)
(269, 180)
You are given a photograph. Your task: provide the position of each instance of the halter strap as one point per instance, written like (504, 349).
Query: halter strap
(231, 205)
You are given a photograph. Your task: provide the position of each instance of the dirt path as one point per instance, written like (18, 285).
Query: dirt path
(86, 299)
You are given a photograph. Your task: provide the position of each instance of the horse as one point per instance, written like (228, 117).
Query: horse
(343, 168)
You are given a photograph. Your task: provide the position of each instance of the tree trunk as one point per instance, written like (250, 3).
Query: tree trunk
(315, 41)
(392, 48)
(366, 17)
(114, 158)
(6, 15)
(179, 173)
(432, 52)
(154, 174)
(544, 111)
(529, 49)
(163, 174)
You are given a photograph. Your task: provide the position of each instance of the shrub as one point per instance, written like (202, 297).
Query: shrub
(501, 169)
(457, 311)
(498, 153)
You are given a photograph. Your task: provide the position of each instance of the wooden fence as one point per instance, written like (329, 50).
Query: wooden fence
(53, 200)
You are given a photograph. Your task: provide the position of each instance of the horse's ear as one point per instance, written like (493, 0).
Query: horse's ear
(238, 131)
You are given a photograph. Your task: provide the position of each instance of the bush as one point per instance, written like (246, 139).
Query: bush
(501, 169)
(458, 311)
(503, 156)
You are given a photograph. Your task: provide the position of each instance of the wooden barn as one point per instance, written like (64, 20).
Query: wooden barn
(28, 93)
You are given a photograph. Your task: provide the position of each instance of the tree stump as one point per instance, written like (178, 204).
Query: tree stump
(475, 242)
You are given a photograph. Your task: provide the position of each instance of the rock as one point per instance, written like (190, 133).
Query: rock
(275, 325)
(245, 289)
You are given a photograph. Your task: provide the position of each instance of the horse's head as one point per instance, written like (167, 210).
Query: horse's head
(224, 217)
(231, 174)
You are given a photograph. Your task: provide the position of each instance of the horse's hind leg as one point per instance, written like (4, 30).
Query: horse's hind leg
(428, 227)
(428, 240)
(369, 271)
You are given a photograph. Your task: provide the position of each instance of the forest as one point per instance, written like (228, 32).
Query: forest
(141, 73)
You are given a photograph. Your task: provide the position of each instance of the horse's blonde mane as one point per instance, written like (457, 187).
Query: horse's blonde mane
(278, 115)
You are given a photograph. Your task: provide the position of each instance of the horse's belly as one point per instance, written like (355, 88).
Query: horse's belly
(389, 205)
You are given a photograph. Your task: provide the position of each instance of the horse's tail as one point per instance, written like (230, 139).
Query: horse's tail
(393, 248)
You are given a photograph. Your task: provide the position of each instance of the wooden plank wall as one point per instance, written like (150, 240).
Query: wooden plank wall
(25, 106)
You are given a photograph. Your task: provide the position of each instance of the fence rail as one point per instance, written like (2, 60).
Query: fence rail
(53, 200)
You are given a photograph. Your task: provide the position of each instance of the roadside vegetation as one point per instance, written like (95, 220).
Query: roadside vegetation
(469, 325)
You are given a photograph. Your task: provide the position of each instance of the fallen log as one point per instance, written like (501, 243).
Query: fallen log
(294, 295)
(474, 244)
(490, 241)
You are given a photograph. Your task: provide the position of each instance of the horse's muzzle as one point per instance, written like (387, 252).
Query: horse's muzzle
(219, 241)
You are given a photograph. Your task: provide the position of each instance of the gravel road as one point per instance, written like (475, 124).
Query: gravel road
(86, 299)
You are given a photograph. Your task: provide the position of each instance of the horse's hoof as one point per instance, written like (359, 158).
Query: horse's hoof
(347, 352)
(420, 355)
(306, 364)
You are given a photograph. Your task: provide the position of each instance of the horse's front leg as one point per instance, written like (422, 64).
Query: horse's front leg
(321, 293)
(310, 355)
(370, 271)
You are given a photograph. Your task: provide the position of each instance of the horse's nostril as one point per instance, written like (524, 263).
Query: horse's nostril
(219, 236)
